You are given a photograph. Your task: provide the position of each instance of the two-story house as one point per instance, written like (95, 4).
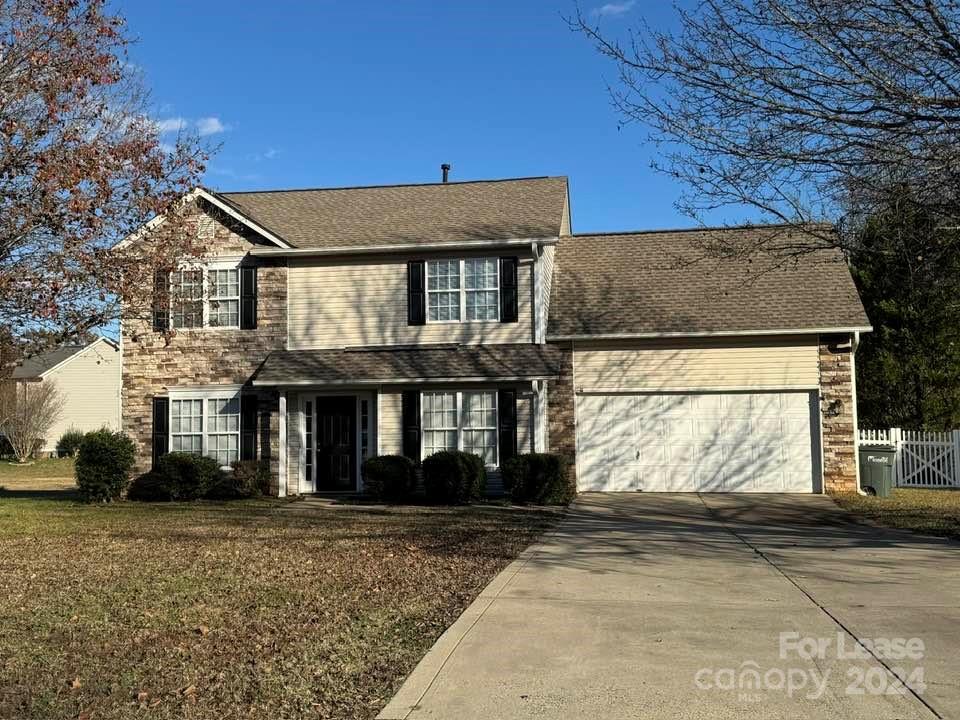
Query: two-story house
(323, 327)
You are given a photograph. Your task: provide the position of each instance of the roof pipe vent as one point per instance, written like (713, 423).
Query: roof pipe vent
(445, 169)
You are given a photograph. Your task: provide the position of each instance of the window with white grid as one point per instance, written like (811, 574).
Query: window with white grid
(223, 287)
(463, 290)
(460, 421)
(481, 288)
(440, 422)
(186, 298)
(223, 430)
(479, 417)
(443, 290)
(186, 426)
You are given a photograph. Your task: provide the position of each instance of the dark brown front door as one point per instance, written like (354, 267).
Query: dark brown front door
(336, 443)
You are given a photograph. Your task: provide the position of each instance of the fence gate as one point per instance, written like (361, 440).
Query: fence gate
(924, 459)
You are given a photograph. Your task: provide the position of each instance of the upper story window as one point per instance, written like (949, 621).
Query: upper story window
(205, 297)
(460, 290)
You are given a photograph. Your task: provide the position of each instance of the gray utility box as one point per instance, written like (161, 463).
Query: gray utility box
(876, 469)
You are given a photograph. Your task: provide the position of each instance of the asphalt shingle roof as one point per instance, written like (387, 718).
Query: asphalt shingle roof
(666, 282)
(382, 365)
(408, 214)
(33, 367)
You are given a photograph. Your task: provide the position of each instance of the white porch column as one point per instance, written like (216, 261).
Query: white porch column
(283, 443)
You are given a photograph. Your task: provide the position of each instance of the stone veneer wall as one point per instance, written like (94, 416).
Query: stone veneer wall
(837, 413)
(561, 427)
(152, 363)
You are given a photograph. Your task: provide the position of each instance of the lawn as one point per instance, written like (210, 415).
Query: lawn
(936, 512)
(44, 468)
(261, 609)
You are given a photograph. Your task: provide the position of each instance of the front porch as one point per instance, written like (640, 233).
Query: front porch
(336, 408)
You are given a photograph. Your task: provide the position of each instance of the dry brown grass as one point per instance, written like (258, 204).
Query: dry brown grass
(936, 512)
(261, 609)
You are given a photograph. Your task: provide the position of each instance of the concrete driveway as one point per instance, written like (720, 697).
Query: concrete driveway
(712, 606)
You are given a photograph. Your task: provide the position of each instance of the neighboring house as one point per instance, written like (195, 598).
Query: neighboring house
(87, 376)
(327, 326)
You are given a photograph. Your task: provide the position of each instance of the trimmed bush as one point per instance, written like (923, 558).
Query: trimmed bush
(69, 443)
(389, 477)
(452, 477)
(6, 449)
(248, 478)
(538, 478)
(188, 476)
(103, 465)
(150, 487)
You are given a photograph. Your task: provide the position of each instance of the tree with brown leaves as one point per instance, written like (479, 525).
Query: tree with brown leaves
(82, 166)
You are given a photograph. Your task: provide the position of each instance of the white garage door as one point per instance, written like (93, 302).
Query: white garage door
(708, 442)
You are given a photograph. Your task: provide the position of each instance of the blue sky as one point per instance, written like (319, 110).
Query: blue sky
(325, 94)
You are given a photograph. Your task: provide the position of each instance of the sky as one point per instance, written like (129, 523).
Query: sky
(328, 94)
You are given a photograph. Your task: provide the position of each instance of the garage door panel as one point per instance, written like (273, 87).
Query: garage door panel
(703, 442)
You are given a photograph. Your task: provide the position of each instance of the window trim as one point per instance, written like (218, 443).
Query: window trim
(461, 426)
(462, 290)
(205, 266)
(205, 394)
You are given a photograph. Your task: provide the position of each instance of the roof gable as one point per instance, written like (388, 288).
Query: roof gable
(664, 284)
(220, 203)
(36, 367)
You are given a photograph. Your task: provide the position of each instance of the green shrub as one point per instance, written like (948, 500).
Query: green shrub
(103, 465)
(69, 443)
(6, 449)
(248, 478)
(389, 477)
(188, 476)
(150, 487)
(538, 478)
(454, 477)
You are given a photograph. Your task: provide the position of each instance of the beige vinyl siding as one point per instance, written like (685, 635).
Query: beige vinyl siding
(294, 418)
(349, 302)
(546, 283)
(90, 385)
(697, 363)
(565, 218)
(391, 423)
(525, 421)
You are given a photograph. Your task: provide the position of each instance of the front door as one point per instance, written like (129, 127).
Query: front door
(336, 440)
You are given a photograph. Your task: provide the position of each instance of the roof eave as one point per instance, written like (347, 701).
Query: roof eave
(714, 333)
(403, 380)
(507, 243)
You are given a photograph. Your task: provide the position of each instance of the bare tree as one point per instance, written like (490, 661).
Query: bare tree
(27, 412)
(82, 166)
(806, 110)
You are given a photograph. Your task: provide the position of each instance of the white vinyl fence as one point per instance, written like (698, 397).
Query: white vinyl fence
(923, 459)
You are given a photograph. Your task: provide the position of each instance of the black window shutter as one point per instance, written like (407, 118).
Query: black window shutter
(508, 289)
(416, 293)
(411, 424)
(248, 298)
(161, 428)
(249, 406)
(507, 430)
(161, 301)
